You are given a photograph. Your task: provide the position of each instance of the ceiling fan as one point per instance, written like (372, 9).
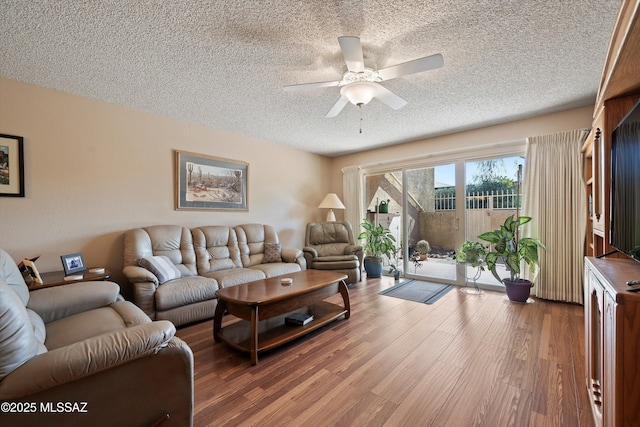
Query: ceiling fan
(360, 84)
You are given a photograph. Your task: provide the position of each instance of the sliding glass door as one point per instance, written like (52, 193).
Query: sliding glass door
(431, 206)
(492, 194)
(433, 209)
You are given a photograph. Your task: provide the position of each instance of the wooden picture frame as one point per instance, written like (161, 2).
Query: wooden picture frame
(208, 182)
(11, 166)
(73, 263)
(32, 270)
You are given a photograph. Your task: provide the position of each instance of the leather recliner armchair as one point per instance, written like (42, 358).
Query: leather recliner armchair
(79, 355)
(330, 246)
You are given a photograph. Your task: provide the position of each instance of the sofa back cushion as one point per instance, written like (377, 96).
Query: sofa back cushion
(18, 342)
(173, 241)
(216, 248)
(251, 240)
(329, 238)
(10, 274)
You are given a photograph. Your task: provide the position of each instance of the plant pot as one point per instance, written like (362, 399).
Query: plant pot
(373, 266)
(519, 290)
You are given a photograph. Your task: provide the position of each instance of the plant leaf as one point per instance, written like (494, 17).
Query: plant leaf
(490, 236)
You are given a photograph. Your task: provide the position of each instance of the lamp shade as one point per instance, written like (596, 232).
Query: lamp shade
(359, 92)
(331, 201)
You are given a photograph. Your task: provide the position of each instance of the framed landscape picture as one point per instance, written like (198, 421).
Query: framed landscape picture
(11, 166)
(207, 182)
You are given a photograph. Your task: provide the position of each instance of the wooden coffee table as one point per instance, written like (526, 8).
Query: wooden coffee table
(265, 303)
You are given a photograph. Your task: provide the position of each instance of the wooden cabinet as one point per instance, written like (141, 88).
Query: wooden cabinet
(612, 337)
(619, 90)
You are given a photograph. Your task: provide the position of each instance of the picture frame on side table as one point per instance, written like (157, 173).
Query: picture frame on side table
(11, 166)
(207, 182)
(31, 268)
(73, 263)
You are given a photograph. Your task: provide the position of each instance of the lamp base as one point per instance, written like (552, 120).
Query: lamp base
(331, 217)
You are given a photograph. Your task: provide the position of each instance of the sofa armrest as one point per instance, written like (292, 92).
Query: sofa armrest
(66, 300)
(291, 254)
(136, 274)
(352, 250)
(313, 253)
(84, 358)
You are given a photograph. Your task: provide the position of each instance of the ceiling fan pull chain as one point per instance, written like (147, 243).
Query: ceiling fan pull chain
(360, 108)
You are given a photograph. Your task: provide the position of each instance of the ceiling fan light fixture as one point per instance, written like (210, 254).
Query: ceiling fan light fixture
(359, 93)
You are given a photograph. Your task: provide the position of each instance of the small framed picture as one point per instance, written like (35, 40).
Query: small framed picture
(30, 268)
(73, 263)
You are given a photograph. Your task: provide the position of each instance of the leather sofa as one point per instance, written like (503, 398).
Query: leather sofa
(330, 246)
(207, 258)
(79, 355)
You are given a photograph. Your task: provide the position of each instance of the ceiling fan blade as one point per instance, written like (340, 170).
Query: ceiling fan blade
(352, 52)
(390, 98)
(416, 66)
(307, 86)
(337, 107)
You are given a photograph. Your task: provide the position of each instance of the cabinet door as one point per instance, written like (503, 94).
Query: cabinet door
(594, 306)
(610, 412)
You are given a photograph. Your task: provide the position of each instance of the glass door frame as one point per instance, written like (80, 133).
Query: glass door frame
(459, 158)
(459, 212)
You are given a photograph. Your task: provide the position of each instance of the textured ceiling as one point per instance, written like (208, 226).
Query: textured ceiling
(223, 63)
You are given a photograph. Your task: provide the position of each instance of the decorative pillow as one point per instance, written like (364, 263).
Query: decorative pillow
(161, 267)
(272, 253)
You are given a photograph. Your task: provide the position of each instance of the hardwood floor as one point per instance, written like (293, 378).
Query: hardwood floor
(465, 360)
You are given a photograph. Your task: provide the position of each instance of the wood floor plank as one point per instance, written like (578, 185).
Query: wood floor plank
(464, 360)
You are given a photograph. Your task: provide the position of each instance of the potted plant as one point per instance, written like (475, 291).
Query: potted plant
(394, 269)
(513, 249)
(473, 253)
(379, 242)
(423, 248)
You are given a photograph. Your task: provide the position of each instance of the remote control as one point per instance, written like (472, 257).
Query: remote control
(633, 282)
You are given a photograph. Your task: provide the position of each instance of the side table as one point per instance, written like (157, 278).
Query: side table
(56, 278)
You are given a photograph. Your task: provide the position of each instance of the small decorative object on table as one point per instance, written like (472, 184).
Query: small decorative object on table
(73, 264)
(22, 267)
(30, 267)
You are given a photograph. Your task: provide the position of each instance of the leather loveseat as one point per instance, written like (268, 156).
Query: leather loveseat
(79, 355)
(202, 260)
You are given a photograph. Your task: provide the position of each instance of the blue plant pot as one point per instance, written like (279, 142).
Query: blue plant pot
(373, 267)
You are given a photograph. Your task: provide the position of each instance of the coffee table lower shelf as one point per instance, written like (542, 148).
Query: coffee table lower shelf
(274, 332)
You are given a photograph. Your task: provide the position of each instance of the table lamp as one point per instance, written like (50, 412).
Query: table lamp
(331, 202)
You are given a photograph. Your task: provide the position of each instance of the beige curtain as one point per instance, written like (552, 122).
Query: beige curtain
(352, 197)
(555, 197)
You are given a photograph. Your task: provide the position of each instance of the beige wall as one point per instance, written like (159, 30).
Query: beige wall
(94, 170)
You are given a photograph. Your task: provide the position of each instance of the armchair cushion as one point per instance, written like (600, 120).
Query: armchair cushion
(272, 253)
(161, 267)
(62, 301)
(17, 339)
